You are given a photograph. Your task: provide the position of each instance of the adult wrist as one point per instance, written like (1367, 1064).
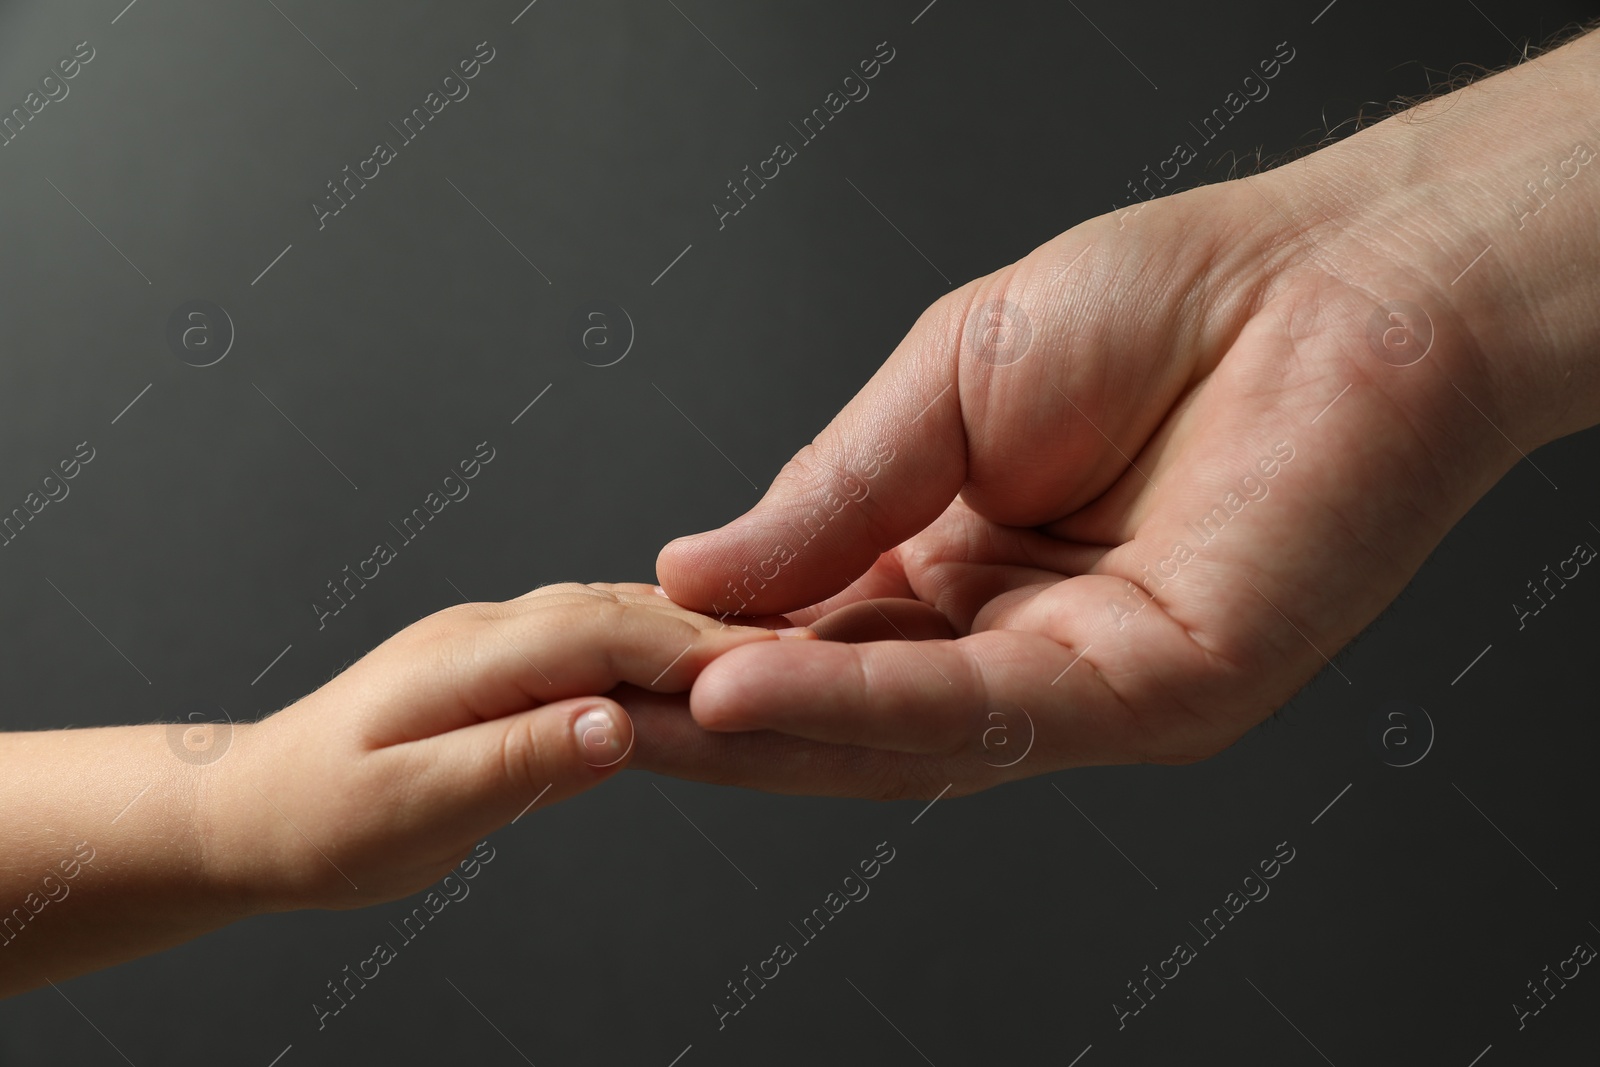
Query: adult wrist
(1485, 205)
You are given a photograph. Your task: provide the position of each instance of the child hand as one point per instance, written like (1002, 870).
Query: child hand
(378, 783)
(369, 789)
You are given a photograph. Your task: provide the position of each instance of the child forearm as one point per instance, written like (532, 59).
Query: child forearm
(102, 859)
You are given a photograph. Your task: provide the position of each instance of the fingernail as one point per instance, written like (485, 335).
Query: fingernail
(804, 632)
(599, 740)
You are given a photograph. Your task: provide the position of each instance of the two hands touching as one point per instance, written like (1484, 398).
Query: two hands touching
(1132, 490)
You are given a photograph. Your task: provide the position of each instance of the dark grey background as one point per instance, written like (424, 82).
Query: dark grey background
(409, 330)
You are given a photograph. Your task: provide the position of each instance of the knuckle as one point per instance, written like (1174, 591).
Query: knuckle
(823, 481)
(963, 319)
(810, 468)
(570, 596)
(566, 591)
(595, 591)
(949, 313)
(442, 626)
(521, 755)
(949, 317)
(458, 615)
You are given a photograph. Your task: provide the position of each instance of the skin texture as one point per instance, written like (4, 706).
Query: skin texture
(990, 586)
(127, 840)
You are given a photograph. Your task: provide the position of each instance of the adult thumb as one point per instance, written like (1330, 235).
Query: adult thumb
(882, 470)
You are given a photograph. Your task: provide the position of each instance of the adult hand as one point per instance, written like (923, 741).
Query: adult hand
(1122, 498)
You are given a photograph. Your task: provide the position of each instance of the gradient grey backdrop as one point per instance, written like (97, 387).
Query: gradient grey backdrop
(410, 329)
